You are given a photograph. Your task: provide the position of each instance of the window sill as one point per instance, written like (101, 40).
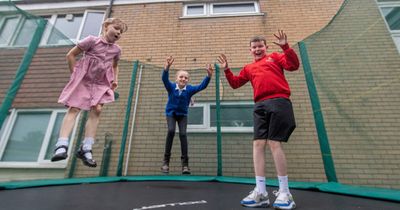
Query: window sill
(223, 130)
(42, 165)
(221, 15)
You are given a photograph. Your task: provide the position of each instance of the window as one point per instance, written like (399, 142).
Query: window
(8, 29)
(92, 24)
(61, 29)
(25, 35)
(65, 25)
(221, 9)
(237, 8)
(196, 118)
(28, 138)
(235, 117)
(195, 10)
(391, 13)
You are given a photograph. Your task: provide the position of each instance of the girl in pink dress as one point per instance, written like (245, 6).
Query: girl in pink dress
(93, 81)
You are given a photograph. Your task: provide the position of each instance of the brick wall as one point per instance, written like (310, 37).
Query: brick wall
(155, 31)
(9, 62)
(44, 80)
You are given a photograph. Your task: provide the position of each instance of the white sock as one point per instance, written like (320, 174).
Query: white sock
(260, 184)
(87, 145)
(283, 184)
(61, 142)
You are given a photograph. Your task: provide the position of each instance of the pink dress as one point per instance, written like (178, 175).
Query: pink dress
(90, 83)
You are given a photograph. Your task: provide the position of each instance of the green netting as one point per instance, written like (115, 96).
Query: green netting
(355, 66)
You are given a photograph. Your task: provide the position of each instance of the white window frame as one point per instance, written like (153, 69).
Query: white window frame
(16, 30)
(394, 33)
(256, 7)
(84, 21)
(206, 119)
(185, 9)
(47, 33)
(209, 11)
(53, 19)
(41, 162)
(21, 24)
(206, 127)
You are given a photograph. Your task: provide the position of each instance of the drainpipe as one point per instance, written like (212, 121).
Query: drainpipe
(109, 9)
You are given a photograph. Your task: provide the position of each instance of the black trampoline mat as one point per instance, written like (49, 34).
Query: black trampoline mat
(169, 195)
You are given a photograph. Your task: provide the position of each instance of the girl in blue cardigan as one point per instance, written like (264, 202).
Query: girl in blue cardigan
(176, 110)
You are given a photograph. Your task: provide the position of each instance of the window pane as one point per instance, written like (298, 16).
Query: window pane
(233, 115)
(92, 25)
(392, 16)
(54, 136)
(47, 30)
(26, 33)
(195, 116)
(7, 30)
(233, 8)
(26, 137)
(65, 26)
(4, 125)
(195, 10)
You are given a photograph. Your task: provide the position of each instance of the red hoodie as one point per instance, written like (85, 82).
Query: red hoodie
(266, 74)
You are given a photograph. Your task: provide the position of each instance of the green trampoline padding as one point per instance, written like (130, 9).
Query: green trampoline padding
(330, 187)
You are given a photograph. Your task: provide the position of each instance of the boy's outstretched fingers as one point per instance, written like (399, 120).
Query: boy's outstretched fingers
(282, 38)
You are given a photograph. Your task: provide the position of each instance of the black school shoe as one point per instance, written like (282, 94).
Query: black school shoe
(165, 168)
(81, 155)
(60, 156)
(186, 170)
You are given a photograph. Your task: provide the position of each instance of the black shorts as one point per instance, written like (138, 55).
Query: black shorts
(274, 119)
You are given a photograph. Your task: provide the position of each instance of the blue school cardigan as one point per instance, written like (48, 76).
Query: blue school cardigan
(178, 105)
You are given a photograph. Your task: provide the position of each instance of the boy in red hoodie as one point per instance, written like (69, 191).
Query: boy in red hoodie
(273, 114)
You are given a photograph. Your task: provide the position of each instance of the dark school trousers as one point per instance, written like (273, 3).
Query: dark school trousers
(182, 124)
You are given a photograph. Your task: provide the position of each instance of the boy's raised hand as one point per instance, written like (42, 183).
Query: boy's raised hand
(282, 38)
(223, 61)
(209, 69)
(168, 62)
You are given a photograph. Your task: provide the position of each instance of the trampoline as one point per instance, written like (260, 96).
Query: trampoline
(164, 194)
(339, 103)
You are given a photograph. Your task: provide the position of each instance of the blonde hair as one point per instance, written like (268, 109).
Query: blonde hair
(117, 21)
(183, 71)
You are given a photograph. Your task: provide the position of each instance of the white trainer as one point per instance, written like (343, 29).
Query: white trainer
(283, 201)
(256, 200)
